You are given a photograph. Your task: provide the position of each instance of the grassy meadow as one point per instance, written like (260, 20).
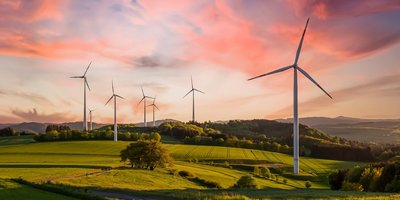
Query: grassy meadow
(79, 164)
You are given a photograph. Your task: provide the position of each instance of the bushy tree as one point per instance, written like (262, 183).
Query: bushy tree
(246, 181)
(8, 131)
(264, 171)
(155, 136)
(145, 155)
(347, 186)
(336, 179)
(307, 184)
(256, 170)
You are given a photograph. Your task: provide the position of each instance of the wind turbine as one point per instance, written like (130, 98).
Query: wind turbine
(144, 105)
(295, 68)
(154, 106)
(193, 90)
(114, 96)
(85, 83)
(90, 118)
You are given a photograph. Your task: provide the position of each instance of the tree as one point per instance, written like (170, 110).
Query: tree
(145, 155)
(246, 181)
(8, 131)
(256, 170)
(307, 184)
(155, 136)
(264, 171)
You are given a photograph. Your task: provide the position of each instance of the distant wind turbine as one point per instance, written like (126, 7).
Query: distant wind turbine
(144, 105)
(115, 110)
(295, 67)
(85, 83)
(193, 90)
(154, 113)
(90, 119)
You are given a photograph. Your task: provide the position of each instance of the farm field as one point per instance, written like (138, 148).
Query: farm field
(79, 164)
(12, 190)
(106, 153)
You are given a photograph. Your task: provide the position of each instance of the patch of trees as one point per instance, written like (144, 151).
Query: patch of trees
(382, 177)
(61, 133)
(246, 182)
(342, 153)
(145, 155)
(8, 131)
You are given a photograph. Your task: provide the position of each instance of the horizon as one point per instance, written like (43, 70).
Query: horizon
(223, 43)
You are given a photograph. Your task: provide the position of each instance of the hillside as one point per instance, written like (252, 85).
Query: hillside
(364, 130)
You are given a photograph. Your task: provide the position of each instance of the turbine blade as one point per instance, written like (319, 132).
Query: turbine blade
(273, 72)
(312, 80)
(156, 107)
(119, 96)
(142, 91)
(154, 100)
(87, 84)
(199, 91)
(87, 68)
(109, 99)
(301, 43)
(76, 77)
(141, 100)
(112, 86)
(148, 97)
(191, 80)
(188, 93)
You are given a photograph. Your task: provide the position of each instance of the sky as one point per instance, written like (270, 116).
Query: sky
(351, 49)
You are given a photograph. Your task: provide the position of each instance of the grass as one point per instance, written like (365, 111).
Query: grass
(70, 162)
(134, 179)
(13, 140)
(107, 152)
(12, 190)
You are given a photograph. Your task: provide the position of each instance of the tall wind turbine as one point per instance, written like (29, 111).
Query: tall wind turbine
(85, 83)
(193, 90)
(90, 119)
(295, 68)
(154, 112)
(144, 105)
(114, 96)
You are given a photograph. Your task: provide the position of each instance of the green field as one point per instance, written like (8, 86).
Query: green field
(79, 164)
(12, 190)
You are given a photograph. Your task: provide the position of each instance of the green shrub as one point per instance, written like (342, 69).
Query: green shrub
(285, 181)
(185, 174)
(347, 186)
(307, 184)
(246, 181)
(264, 171)
(206, 183)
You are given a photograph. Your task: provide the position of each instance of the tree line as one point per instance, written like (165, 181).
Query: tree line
(380, 177)
(64, 133)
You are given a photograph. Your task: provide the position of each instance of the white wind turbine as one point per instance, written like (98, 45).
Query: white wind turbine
(154, 112)
(295, 67)
(193, 90)
(144, 105)
(85, 83)
(115, 110)
(90, 119)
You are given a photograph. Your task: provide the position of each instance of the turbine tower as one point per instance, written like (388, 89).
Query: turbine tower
(296, 68)
(90, 119)
(114, 96)
(154, 106)
(144, 105)
(85, 84)
(193, 90)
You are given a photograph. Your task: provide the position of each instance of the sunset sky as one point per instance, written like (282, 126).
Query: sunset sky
(352, 48)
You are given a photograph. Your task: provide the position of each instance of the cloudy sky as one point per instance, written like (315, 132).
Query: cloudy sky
(351, 48)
